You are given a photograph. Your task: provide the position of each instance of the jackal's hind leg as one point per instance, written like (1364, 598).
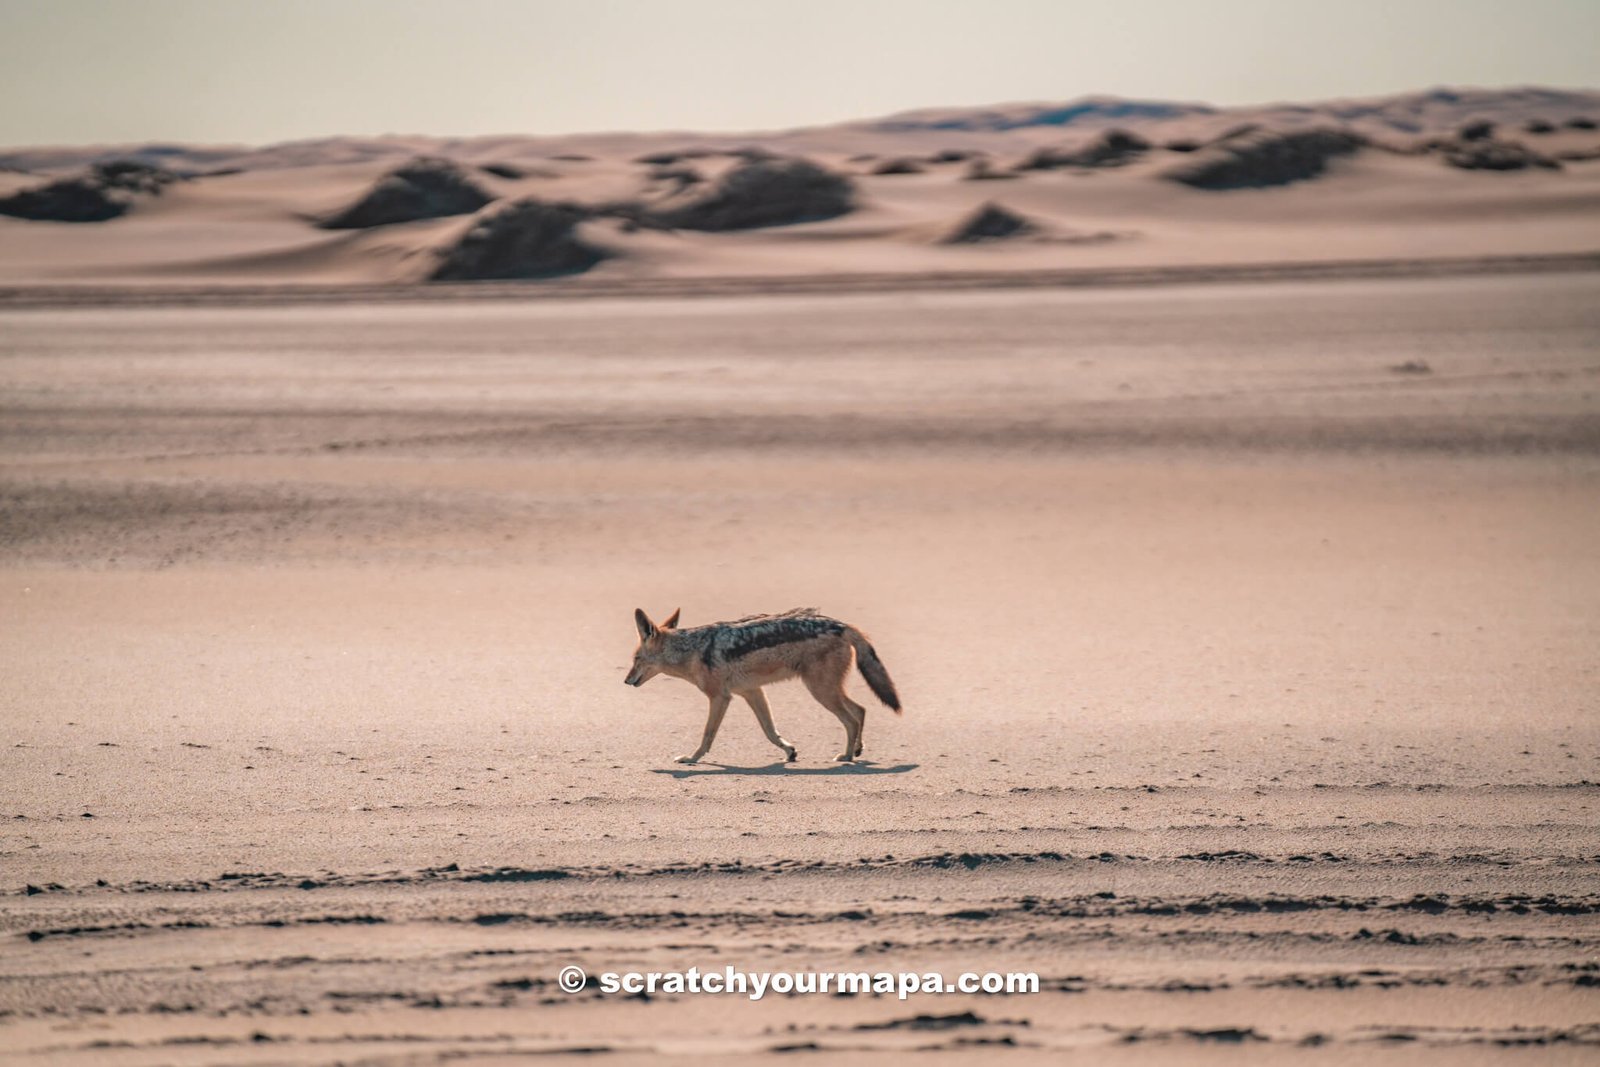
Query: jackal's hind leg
(758, 704)
(719, 708)
(861, 723)
(828, 688)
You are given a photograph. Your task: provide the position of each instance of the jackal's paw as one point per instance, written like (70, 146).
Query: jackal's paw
(687, 759)
(844, 757)
(791, 754)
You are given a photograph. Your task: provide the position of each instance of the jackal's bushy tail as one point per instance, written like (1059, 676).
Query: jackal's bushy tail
(873, 670)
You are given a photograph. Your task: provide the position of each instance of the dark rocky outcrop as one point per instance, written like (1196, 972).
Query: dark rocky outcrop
(763, 192)
(1041, 159)
(502, 170)
(105, 192)
(525, 238)
(1254, 159)
(982, 170)
(133, 176)
(681, 155)
(899, 165)
(682, 177)
(989, 222)
(424, 188)
(1232, 132)
(1112, 148)
(67, 200)
(1494, 155)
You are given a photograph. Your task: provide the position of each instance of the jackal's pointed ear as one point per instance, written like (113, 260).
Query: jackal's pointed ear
(672, 620)
(642, 621)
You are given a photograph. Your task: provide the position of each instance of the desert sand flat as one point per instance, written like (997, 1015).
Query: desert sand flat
(1246, 634)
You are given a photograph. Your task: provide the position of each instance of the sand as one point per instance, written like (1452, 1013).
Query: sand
(1249, 678)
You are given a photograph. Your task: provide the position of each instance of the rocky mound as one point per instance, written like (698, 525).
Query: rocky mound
(67, 200)
(681, 155)
(989, 222)
(1112, 148)
(1254, 158)
(681, 177)
(132, 176)
(899, 165)
(503, 170)
(1491, 154)
(526, 238)
(1041, 159)
(424, 188)
(107, 191)
(982, 170)
(763, 192)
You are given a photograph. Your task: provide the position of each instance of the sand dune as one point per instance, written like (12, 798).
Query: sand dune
(257, 228)
(1396, 179)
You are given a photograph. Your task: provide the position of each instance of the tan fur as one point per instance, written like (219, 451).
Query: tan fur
(817, 650)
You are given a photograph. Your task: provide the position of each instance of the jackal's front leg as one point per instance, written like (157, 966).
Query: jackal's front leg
(719, 707)
(758, 704)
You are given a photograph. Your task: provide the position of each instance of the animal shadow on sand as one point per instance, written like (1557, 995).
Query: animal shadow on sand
(860, 767)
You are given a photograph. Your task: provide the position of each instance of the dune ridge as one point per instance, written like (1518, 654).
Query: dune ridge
(1007, 127)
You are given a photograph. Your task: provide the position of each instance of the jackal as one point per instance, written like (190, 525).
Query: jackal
(729, 659)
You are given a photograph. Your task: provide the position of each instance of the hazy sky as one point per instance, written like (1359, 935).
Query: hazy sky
(75, 71)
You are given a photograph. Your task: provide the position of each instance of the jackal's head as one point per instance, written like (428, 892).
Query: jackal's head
(650, 657)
